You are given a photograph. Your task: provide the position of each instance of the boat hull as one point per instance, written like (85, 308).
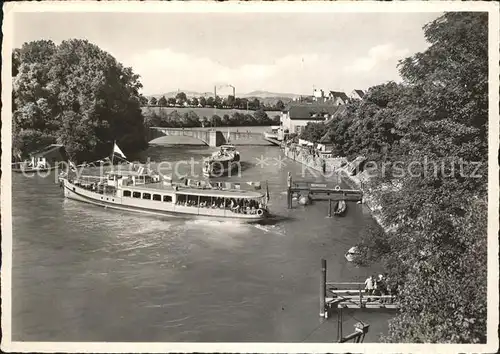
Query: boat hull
(33, 170)
(112, 202)
(227, 170)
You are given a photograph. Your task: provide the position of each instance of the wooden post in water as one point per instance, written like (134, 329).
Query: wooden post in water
(289, 191)
(330, 207)
(322, 289)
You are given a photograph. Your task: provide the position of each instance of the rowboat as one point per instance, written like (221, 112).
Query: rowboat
(352, 254)
(27, 167)
(340, 208)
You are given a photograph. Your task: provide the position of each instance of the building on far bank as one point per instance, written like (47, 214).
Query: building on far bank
(338, 98)
(335, 98)
(357, 95)
(296, 115)
(49, 156)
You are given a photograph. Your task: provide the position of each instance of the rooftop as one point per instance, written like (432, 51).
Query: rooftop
(311, 111)
(339, 94)
(360, 93)
(47, 150)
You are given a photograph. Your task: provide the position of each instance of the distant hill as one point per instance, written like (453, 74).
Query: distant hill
(267, 94)
(187, 92)
(254, 94)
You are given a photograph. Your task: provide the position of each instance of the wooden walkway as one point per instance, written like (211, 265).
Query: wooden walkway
(357, 298)
(351, 295)
(321, 191)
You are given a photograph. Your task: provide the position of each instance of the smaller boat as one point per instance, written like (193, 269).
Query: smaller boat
(27, 167)
(222, 162)
(340, 208)
(44, 160)
(304, 199)
(352, 254)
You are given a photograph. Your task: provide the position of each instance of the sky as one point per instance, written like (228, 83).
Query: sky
(277, 52)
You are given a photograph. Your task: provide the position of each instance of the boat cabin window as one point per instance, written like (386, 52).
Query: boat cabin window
(136, 194)
(157, 197)
(167, 198)
(127, 193)
(146, 196)
(187, 200)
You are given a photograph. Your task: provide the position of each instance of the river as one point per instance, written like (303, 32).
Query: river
(82, 273)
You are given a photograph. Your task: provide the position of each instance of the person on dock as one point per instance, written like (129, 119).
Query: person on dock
(381, 286)
(369, 286)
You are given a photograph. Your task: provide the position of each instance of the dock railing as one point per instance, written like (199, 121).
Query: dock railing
(352, 295)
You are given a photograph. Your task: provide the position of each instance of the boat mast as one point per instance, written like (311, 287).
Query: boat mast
(113, 153)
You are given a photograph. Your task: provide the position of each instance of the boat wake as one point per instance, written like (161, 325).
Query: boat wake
(226, 226)
(269, 229)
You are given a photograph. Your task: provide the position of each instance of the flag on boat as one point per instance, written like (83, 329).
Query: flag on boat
(117, 151)
(72, 166)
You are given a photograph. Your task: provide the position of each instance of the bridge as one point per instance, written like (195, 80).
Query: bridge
(210, 137)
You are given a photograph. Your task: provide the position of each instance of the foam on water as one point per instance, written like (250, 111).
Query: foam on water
(216, 225)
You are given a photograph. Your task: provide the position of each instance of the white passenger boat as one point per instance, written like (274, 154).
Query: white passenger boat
(144, 192)
(222, 162)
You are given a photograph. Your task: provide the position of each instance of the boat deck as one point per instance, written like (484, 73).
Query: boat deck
(207, 192)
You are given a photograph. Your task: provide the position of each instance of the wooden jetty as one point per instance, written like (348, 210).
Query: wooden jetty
(351, 295)
(321, 191)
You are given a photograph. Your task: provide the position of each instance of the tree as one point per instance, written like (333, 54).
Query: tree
(218, 102)
(261, 117)
(210, 102)
(216, 121)
(78, 95)
(174, 119)
(181, 98)
(255, 104)
(437, 246)
(143, 100)
(313, 132)
(162, 102)
(230, 101)
(280, 105)
(171, 101)
(237, 103)
(190, 119)
(203, 101)
(152, 119)
(153, 101)
(195, 102)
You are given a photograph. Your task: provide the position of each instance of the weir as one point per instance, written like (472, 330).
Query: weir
(211, 137)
